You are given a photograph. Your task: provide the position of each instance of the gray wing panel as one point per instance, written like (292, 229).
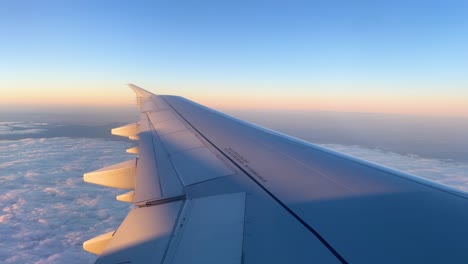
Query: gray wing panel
(211, 231)
(144, 235)
(170, 155)
(364, 213)
(147, 183)
(156, 177)
(191, 159)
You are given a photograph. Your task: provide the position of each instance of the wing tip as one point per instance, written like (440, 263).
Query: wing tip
(140, 92)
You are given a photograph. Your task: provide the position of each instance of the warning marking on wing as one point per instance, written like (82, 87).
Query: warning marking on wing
(240, 160)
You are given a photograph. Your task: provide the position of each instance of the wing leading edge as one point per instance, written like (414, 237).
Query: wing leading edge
(209, 188)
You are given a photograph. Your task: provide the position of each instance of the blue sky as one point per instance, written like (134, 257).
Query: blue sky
(337, 48)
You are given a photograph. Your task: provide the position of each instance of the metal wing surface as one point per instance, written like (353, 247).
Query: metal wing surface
(209, 188)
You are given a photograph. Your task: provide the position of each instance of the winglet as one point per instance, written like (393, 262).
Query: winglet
(140, 92)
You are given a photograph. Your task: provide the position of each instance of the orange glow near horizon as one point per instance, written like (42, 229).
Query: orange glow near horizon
(429, 105)
(67, 100)
(406, 105)
(44, 96)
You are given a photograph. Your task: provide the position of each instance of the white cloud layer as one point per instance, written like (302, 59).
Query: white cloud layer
(451, 173)
(47, 211)
(21, 128)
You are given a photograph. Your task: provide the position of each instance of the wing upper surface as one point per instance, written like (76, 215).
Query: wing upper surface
(294, 201)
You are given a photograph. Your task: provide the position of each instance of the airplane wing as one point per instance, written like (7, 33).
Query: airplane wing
(210, 188)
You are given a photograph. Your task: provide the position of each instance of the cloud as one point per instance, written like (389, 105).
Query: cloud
(22, 128)
(46, 210)
(447, 172)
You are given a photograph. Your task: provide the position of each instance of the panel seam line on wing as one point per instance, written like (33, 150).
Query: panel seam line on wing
(154, 153)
